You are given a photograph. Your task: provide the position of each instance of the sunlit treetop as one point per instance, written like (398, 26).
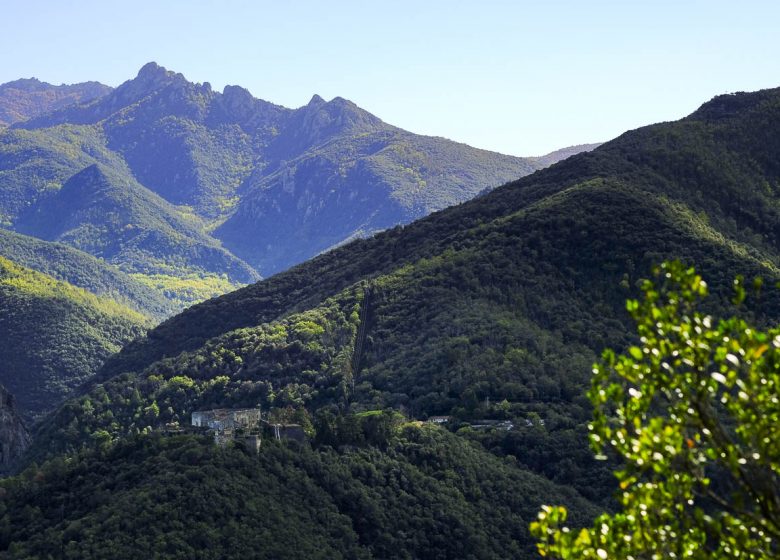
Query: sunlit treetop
(692, 413)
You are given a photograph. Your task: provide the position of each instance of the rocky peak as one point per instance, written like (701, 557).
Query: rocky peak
(316, 101)
(153, 74)
(238, 100)
(322, 118)
(25, 84)
(30, 98)
(151, 77)
(237, 105)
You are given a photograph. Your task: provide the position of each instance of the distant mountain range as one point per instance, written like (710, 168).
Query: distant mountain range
(192, 192)
(27, 98)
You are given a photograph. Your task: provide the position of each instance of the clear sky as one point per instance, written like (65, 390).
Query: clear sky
(519, 77)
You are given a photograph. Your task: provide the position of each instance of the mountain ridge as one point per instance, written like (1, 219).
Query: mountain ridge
(82, 270)
(29, 97)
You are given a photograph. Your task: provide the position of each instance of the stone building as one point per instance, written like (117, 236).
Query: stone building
(223, 419)
(243, 425)
(230, 424)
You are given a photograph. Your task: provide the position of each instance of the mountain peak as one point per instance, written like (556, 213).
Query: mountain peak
(237, 95)
(29, 98)
(95, 170)
(151, 69)
(316, 100)
(152, 76)
(90, 180)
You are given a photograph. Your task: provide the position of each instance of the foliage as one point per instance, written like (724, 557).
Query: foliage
(267, 366)
(692, 412)
(84, 271)
(105, 212)
(299, 209)
(428, 494)
(186, 289)
(54, 336)
(491, 310)
(65, 184)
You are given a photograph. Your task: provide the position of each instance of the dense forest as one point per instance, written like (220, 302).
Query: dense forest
(82, 270)
(54, 336)
(424, 494)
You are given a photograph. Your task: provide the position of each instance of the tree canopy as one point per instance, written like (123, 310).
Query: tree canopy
(691, 413)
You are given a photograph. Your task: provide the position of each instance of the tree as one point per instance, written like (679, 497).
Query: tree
(692, 415)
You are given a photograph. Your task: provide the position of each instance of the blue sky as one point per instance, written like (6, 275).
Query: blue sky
(517, 77)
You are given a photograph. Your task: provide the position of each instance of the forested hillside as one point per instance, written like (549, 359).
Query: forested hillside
(14, 437)
(54, 336)
(491, 313)
(428, 494)
(82, 270)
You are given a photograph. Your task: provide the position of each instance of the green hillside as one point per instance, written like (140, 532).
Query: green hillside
(14, 436)
(428, 494)
(693, 188)
(355, 186)
(116, 219)
(84, 271)
(54, 336)
(491, 311)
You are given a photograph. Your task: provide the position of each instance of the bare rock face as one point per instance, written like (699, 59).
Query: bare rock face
(14, 437)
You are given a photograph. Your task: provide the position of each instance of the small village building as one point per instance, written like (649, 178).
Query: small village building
(221, 419)
(243, 425)
(229, 424)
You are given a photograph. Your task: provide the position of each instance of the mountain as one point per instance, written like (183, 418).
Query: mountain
(14, 437)
(24, 99)
(490, 312)
(705, 188)
(54, 336)
(82, 270)
(353, 187)
(564, 153)
(195, 192)
(106, 215)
